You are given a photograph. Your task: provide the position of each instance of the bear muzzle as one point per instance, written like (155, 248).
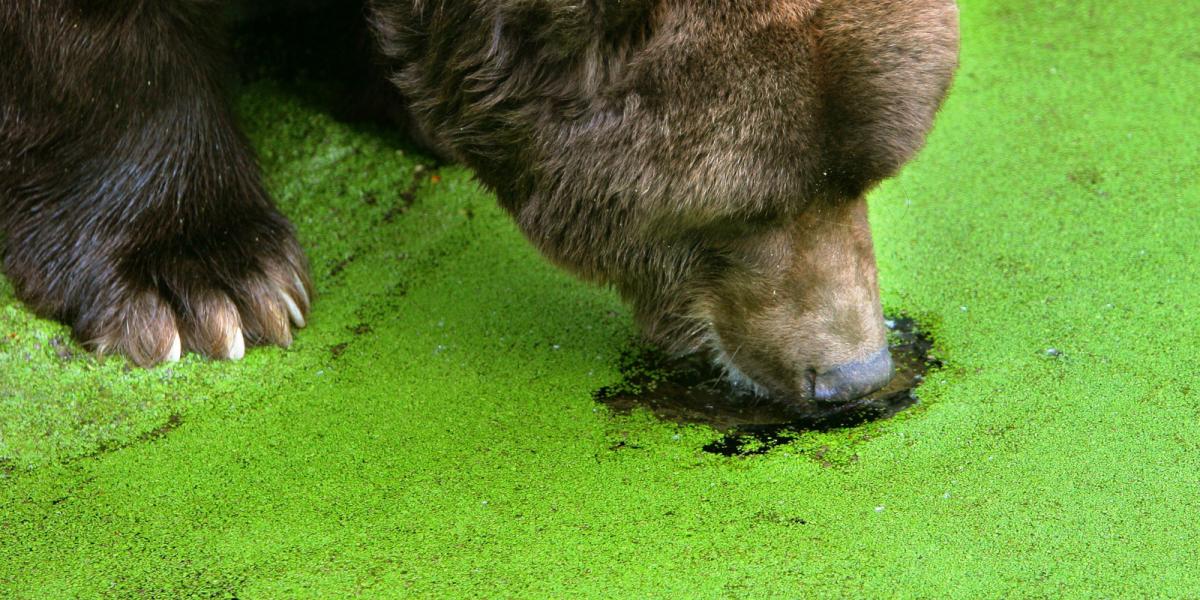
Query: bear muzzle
(853, 380)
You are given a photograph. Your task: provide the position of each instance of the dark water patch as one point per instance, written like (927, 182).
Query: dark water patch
(421, 176)
(341, 265)
(691, 389)
(173, 422)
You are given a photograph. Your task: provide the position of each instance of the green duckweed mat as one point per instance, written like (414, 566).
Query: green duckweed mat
(433, 432)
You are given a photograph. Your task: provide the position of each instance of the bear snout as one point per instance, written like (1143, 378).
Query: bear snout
(852, 380)
(794, 314)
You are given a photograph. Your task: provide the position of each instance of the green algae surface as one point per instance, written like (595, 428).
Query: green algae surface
(433, 433)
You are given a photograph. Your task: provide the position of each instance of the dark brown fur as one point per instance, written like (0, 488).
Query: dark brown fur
(131, 206)
(707, 158)
(663, 146)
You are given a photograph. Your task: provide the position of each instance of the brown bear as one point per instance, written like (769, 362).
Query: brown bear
(709, 159)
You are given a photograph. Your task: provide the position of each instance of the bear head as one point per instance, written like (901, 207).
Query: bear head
(708, 159)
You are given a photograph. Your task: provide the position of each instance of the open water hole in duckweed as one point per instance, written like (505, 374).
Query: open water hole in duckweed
(690, 389)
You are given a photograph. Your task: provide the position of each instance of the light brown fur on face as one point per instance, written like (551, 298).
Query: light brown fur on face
(796, 300)
(709, 159)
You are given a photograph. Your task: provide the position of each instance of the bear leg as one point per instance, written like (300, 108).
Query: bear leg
(131, 208)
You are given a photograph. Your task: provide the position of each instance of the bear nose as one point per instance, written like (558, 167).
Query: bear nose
(854, 379)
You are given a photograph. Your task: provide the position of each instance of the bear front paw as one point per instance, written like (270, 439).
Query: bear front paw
(202, 308)
(241, 284)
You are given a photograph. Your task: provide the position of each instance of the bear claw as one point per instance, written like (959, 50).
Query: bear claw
(176, 351)
(237, 345)
(260, 309)
(292, 309)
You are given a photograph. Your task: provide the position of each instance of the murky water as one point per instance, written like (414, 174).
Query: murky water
(691, 390)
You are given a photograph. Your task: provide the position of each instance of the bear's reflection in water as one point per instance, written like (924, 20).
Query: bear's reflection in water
(692, 390)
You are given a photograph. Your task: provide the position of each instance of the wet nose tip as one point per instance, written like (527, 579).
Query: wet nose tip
(855, 379)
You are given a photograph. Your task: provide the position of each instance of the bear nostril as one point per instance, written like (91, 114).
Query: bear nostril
(853, 380)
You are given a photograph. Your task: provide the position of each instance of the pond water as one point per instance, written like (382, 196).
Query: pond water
(690, 389)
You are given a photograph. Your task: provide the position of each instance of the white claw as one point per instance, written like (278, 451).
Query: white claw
(237, 345)
(176, 349)
(293, 310)
(300, 288)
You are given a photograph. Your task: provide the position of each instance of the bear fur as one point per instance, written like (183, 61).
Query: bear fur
(709, 159)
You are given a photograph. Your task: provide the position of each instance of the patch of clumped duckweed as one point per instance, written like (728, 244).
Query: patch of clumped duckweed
(691, 389)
